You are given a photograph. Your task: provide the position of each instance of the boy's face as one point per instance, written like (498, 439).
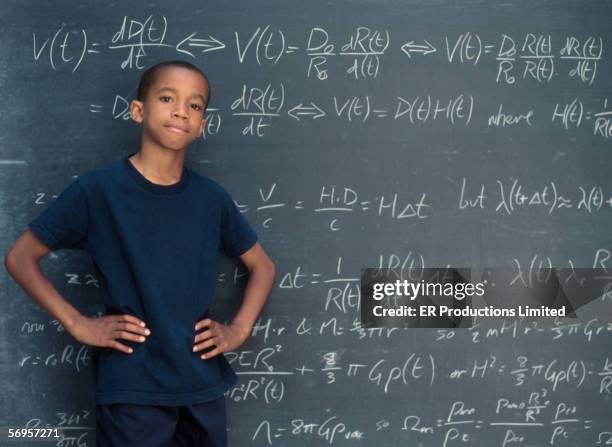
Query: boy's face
(172, 114)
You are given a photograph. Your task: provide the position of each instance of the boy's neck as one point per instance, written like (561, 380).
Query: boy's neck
(159, 166)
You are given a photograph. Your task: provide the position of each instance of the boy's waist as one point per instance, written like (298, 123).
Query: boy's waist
(158, 371)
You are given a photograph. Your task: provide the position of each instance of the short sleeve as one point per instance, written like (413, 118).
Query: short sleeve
(65, 222)
(237, 235)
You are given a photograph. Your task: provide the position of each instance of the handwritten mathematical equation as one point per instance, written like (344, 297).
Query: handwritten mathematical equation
(258, 107)
(530, 56)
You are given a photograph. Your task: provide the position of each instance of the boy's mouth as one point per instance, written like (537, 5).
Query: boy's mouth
(176, 129)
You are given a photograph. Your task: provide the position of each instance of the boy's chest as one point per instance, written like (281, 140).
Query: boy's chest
(162, 230)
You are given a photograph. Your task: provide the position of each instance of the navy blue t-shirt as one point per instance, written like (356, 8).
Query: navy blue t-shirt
(155, 249)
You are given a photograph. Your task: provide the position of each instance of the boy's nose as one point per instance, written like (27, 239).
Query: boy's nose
(180, 113)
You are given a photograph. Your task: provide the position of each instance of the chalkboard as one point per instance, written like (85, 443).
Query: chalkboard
(352, 134)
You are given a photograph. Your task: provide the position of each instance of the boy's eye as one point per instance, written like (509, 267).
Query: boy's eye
(197, 106)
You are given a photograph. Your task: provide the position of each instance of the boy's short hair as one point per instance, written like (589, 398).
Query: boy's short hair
(149, 77)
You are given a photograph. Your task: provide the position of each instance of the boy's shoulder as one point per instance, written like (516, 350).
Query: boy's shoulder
(98, 175)
(209, 186)
(206, 182)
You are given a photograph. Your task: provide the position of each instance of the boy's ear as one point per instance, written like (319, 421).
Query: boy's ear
(136, 109)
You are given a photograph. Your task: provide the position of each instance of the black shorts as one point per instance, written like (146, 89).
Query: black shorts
(133, 425)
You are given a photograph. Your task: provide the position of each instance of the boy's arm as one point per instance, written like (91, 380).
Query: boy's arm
(261, 278)
(22, 263)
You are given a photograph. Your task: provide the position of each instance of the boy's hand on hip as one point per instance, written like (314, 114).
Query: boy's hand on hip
(224, 338)
(104, 331)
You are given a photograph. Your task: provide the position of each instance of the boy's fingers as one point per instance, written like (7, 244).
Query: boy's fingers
(206, 344)
(203, 335)
(121, 347)
(127, 335)
(132, 319)
(132, 328)
(202, 323)
(211, 353)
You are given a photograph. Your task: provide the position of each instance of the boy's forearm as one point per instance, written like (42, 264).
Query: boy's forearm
(28, 274)
(256, 293)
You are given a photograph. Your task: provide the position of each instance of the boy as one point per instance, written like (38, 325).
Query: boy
(153, 229)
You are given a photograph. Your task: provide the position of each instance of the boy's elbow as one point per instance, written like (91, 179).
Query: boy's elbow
(272, 268)
(25, 251)
(10, 261)
(267, 263)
